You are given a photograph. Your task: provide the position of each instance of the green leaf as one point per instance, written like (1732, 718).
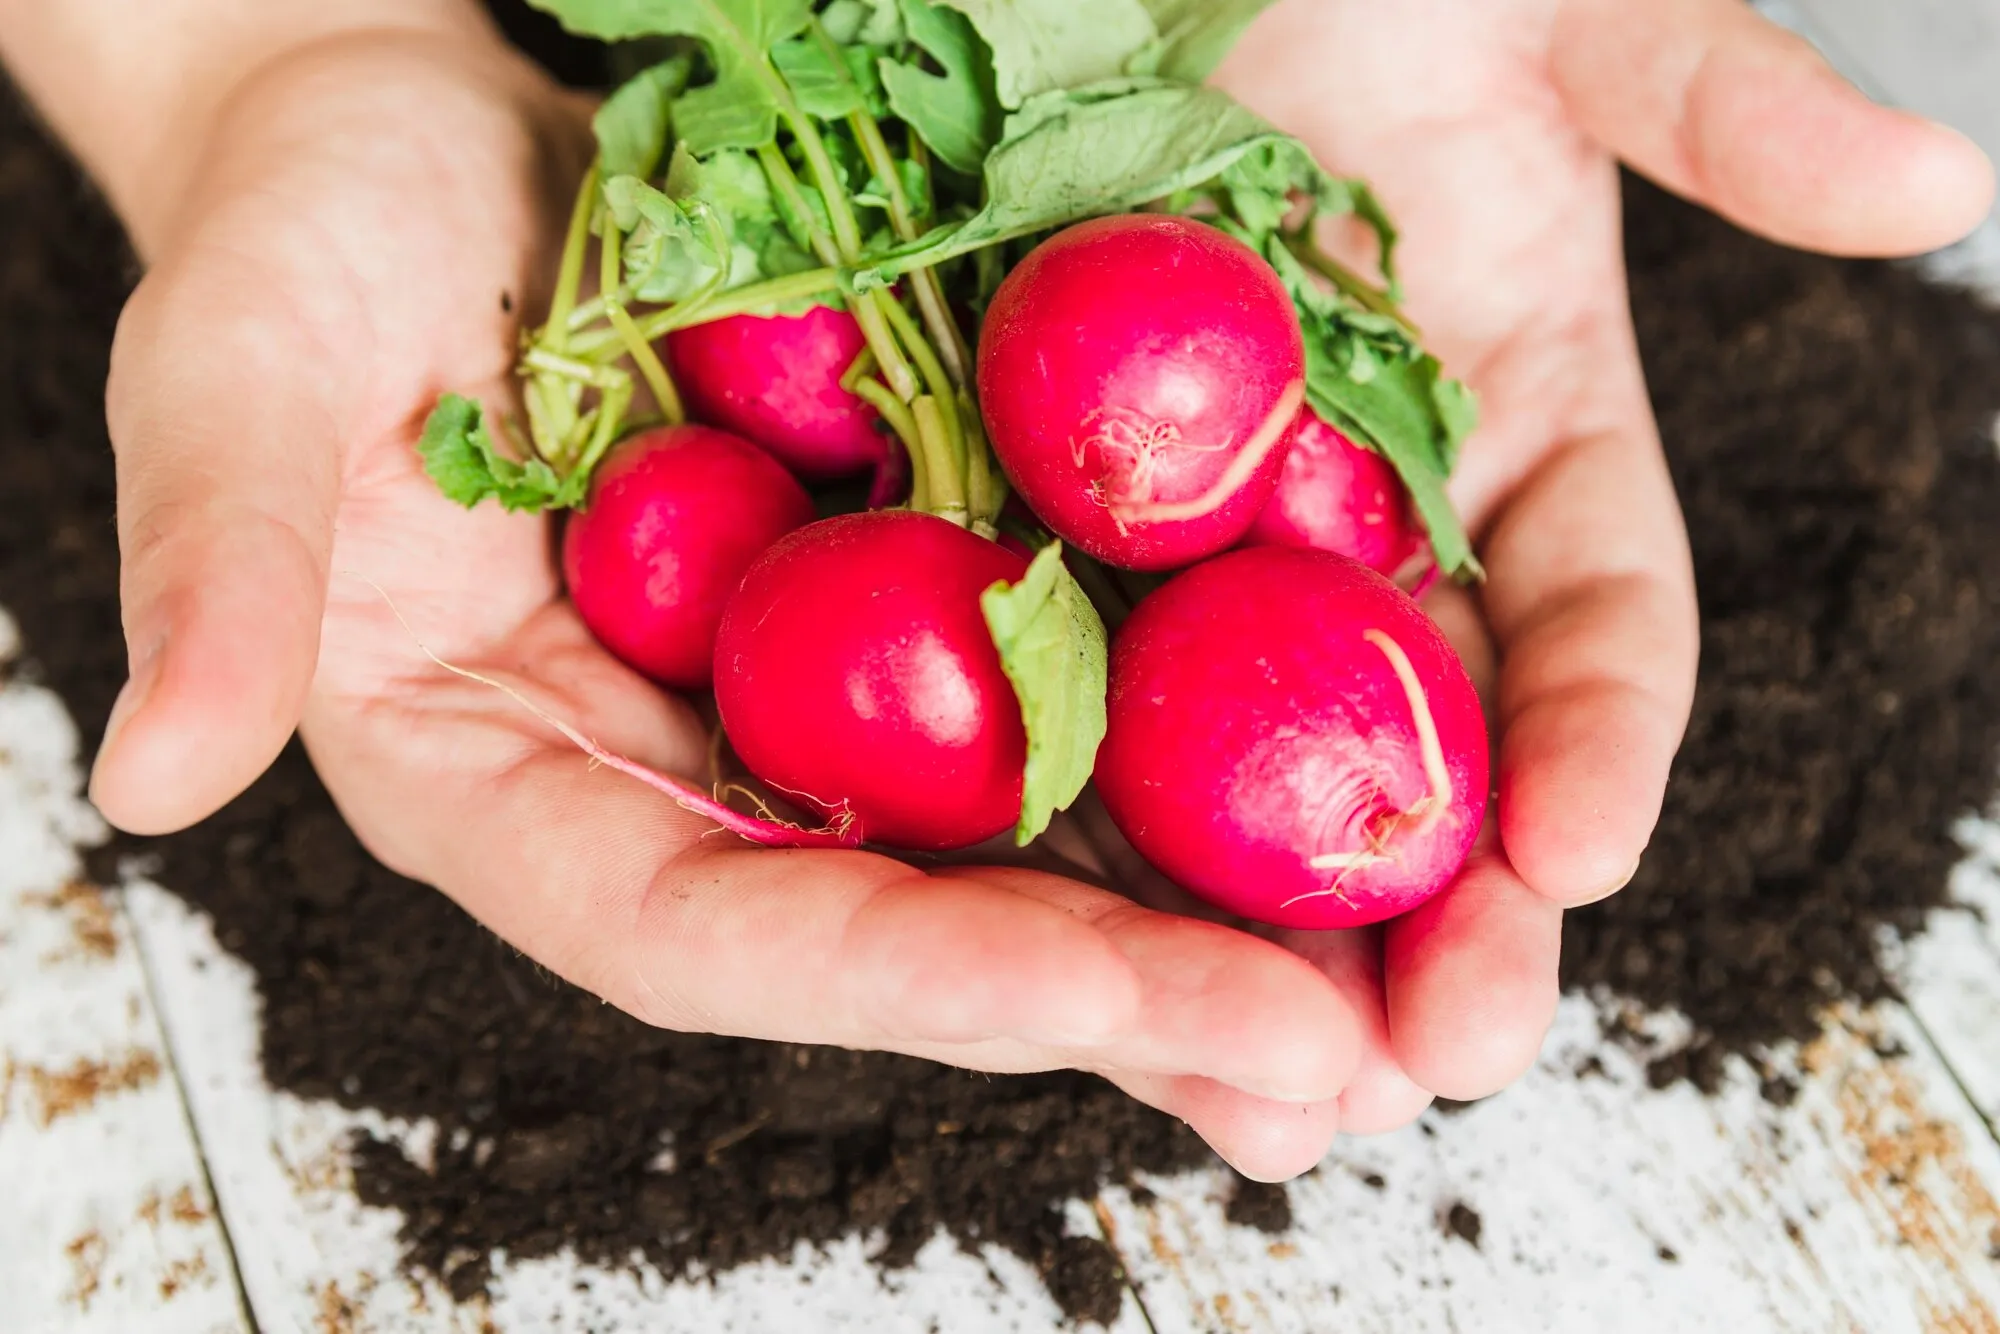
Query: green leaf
(1194, 36)
(957, 113)
(460, 457)
(670, 253)
(740, 108)
(1053, 647)
(761, 245)
(863, 22)
(1458, 410)
(1042, 45)
(1088, 152)
(825, 87)
(1395, 412)
(631, 126)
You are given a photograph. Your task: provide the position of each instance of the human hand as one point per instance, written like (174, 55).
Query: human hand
(1489, 128)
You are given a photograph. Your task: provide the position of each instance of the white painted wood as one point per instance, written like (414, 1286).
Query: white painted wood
(1951, 973)
(310, 1252)
(1868, 1205)
(106, 1223)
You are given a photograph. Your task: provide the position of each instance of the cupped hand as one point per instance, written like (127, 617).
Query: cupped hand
(1491, 129)
(375, 215)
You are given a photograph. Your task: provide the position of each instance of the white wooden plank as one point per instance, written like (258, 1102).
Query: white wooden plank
(1867, 1205)
(1951, 973)
(311, 1252)
(107, 1224)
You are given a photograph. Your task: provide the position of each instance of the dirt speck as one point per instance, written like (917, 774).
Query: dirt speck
(334, 1312)
(86, 1259)
(1260, 1205)
(180, 1275)
(1461, 1220)
(92, 923)
(77, 1086)
(185, 1208)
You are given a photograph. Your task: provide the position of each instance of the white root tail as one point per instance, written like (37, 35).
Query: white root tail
(1240, 470)
(1430, 807)
(1427, 809)
(770, 832)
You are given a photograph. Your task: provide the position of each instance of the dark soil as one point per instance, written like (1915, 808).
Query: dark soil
(1828, 423)
(1830, 429)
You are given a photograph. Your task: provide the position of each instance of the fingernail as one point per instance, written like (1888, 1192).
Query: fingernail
(1610, 889)
(145, 675)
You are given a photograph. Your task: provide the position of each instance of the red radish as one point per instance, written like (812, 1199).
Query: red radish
(855, 673)
(676, 516)
(1339, 496)
(1292, 739)
(1140, 378)
(775, 379)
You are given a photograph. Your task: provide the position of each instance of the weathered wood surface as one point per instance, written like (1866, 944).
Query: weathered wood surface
(1869, 1203)
(105, 1219)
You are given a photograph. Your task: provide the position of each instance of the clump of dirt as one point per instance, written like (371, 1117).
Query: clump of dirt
(1828, 424)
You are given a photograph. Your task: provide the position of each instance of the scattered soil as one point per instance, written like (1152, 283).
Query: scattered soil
(1259, 1204)
(1461, 1220)
(1829, 428)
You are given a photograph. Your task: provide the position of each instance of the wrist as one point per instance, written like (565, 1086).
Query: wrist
(137, 88)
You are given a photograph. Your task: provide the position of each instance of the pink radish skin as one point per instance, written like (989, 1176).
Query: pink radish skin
(1338, 496)
(1140, 378)
(854, 673)
(1292, 739)
(676, 515)
(775, 380)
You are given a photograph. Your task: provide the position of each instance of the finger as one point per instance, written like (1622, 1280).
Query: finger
(1380, 1096)
(1591, 598)
(620, 891)
(1263, 1139)
(228, 477)
(1471, 981)
(1718, 104)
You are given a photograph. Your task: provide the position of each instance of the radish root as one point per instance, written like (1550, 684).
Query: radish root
(769, 832)
(1427, 809)
(1241, 469)
(1430, 807)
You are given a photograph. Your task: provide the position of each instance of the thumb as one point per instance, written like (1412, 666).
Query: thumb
(228, 478)
(1724, 107)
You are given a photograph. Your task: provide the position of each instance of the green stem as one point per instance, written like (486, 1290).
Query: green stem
(870, 310)
(985, 485)
(904, 423)
(610, 247)
(940, 385)
(649, 364)
(737, 301)
(924, 283)
(786, 183)
(1351, 284)
(865, 308)
(570, 275)
(947, 482)
(864, 364)
(617, 397)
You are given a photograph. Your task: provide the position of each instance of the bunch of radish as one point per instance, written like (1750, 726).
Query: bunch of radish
(1033, 324)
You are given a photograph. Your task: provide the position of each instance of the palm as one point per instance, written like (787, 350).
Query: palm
(350, 248)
